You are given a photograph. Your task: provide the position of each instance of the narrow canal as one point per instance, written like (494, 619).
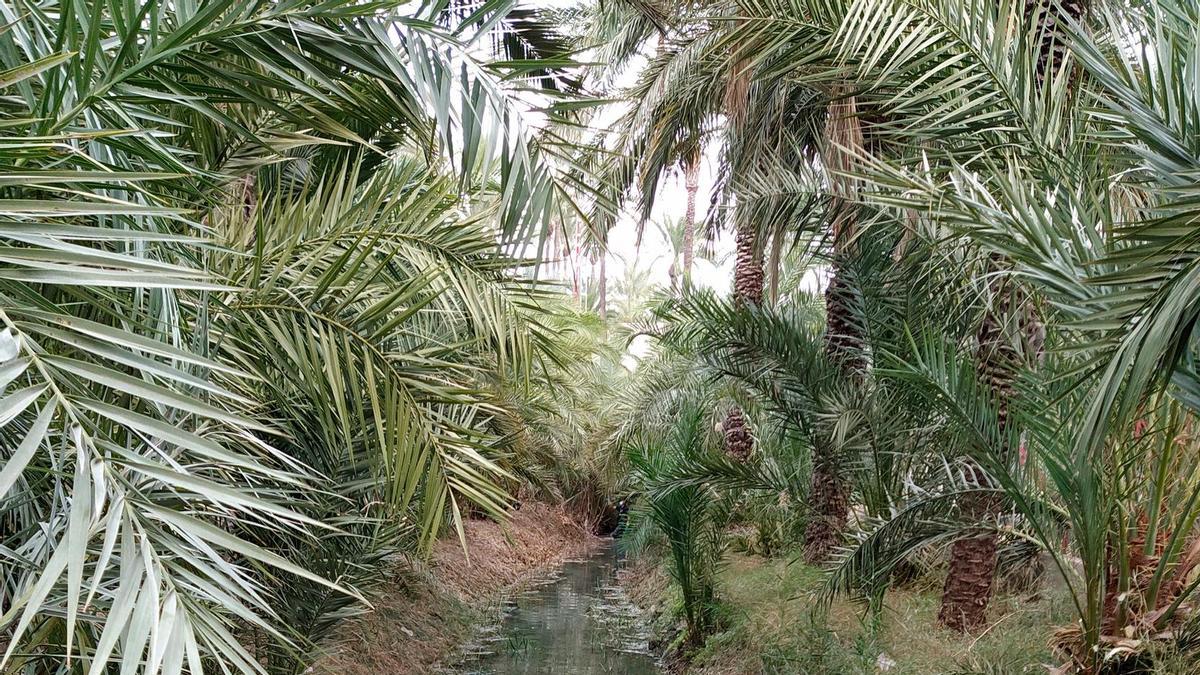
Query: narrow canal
(577, 622)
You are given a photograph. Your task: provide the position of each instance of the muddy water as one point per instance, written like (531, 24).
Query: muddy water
(577, 622)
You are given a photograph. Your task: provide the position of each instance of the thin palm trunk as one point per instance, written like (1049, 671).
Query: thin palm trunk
(776, 267)
(576, 279)
(603, 283)
(692, 182)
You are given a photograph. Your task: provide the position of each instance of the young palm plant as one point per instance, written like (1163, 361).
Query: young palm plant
(690, 516)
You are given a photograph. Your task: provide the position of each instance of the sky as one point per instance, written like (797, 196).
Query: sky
(654, 253)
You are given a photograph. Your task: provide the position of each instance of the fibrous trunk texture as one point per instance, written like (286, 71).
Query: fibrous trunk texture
(830, 503)
(739, 442)
(828, 492)
(692, 182)
(969, 583)
(844, 342)
(1001, 353)
(828, 495)
(968, 587)
(748, 291)
(748, 274)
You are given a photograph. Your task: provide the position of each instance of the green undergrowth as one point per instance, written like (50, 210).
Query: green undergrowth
(769, 621)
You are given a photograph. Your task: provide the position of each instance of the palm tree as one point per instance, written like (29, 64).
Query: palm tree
(747, 292)
(675, 233)
(974, 140)
(687, 515)
(1006, 164)
(1007, 340)
(837, 35)
(162, 384)
(770, 129)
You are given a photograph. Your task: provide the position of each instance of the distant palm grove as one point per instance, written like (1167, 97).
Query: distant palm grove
(290, 290)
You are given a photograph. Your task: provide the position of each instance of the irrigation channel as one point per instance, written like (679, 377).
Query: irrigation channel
(576, 622)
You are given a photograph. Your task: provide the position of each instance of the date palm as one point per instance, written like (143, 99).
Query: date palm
(691, 170)
(159, 380)
(1007, 158)
(688, 516)
(1007, 341)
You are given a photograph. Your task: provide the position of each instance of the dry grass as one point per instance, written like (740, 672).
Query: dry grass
(426, 612)
(537, 537)
(412, 627)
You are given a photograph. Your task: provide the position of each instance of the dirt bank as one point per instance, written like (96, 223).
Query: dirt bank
(429, 609)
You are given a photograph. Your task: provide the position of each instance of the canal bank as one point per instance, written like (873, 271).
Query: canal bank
(420, 620)
(771, 618)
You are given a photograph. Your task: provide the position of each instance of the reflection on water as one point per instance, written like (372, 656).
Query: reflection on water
(575, 623)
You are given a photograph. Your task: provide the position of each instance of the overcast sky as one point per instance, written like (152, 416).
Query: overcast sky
(654, 253)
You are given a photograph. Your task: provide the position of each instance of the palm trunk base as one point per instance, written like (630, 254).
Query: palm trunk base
(969, 583)
(830, 506)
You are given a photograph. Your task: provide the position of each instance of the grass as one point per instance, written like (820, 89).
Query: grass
(771, 624)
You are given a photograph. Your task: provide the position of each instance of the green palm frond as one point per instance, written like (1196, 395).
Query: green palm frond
(153, 495)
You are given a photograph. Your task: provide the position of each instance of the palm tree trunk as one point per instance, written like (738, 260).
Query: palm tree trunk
(603, 282)
(1052, 19)
(692, 182)
(844, 341)
(969, 581)
(748, 272)
(968, 589)
(776, 266)
(747, 291)
(830, 501)
(739, 441)
(828, 493)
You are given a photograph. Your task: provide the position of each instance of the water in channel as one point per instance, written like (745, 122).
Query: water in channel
(577, 622)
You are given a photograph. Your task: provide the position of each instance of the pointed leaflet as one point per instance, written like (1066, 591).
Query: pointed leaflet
(77, 530)
(26, 450)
